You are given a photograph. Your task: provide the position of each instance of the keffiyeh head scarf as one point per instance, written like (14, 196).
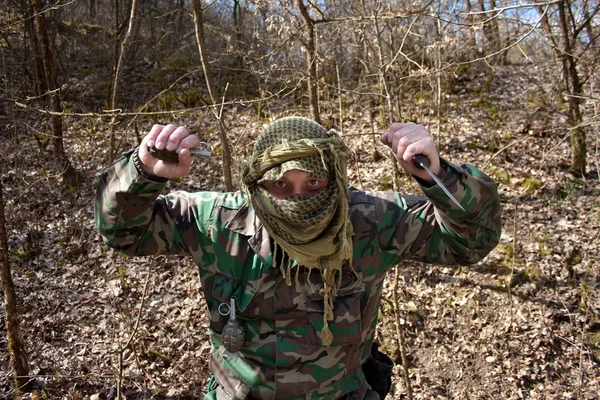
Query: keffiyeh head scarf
(315, 231)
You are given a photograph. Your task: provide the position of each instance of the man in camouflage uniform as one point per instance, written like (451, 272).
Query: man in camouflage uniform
(303, 258)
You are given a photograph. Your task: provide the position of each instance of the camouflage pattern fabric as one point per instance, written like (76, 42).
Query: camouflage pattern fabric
(283, 357)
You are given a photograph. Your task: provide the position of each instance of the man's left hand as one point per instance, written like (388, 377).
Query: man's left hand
(406, 141)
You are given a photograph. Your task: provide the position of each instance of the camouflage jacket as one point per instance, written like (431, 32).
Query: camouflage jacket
(283, 357)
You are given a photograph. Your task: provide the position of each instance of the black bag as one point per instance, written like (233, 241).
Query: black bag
(378, 371)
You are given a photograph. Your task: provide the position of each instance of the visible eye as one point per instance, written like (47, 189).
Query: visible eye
(280, 184)
(314, 182)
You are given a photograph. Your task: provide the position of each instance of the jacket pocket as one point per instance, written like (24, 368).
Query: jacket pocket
(347, 309)
(234, 376)
(218, 291)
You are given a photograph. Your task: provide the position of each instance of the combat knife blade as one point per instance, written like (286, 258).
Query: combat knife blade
(422, 162)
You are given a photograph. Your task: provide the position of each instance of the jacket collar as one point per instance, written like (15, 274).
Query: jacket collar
(245, 222)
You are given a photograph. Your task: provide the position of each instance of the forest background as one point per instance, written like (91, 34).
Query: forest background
(511, 87)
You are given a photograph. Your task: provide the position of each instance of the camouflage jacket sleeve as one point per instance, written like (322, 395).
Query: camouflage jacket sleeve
(133, 217)
(433, 229)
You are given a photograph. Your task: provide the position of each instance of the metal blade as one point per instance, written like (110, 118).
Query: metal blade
(440, 184)
(201, 153)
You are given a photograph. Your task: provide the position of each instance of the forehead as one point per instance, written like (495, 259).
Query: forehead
(312, 165)
(288, 129)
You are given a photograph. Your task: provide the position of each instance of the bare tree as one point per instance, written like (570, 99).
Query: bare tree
(573, 53)
(226, 155)
(574, 88)
(66, 169)
(311, 58)
(16, 345)
(117, 76)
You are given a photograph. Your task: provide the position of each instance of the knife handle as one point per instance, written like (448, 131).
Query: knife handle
(173, 156)
(164, 154)
(419, 160)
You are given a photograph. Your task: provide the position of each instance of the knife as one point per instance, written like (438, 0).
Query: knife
(422, 162)
(173, 156)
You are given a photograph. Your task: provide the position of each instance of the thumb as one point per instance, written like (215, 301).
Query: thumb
(185, 162)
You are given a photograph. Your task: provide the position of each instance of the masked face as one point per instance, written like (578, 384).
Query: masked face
(294, 179)
(295, 183)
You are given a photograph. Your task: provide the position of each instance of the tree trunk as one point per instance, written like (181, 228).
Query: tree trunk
(92, 9)
(311, 55)
(472, 47)
(495, 40)
(66, 169)
(117, 77)
(574, 92)
(16, 345)
(489, 30)
(37, 77)
(199, 26)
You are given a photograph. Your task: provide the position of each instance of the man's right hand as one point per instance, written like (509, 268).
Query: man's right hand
(173, 138)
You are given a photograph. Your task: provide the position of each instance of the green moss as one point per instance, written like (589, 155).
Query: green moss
(531, 184)
(501, 176)
(488, 106)
(191, 98)
(593, 338)
(544, 251)
(25, 308)
(386, 182)
(584, 294)
(524, 276)
(596, 212)
(494, 145)
(569, 188)
(167, 101)
(122, 271)
(538, 98)
(473, 144)
(505, 263)
(24, 255)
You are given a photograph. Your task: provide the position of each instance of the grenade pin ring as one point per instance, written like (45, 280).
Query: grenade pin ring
(224, 309)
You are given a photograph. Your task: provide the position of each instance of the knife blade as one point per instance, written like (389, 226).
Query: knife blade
(422, 162)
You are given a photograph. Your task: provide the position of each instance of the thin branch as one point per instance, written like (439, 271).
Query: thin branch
(517, 6)
(135, 328)
(112, 113)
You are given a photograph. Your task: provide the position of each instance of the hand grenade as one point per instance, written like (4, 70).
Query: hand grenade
(233, 333)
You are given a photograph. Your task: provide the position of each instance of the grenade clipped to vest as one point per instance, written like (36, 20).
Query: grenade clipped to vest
(233, 333)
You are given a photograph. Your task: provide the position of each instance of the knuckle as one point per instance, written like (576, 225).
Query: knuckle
(404, 141)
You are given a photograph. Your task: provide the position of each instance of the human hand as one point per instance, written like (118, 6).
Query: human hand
(406, 141)
(173, 138)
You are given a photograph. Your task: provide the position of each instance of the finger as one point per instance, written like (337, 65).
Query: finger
(151, 136)
(163, 136)
(189, 142)
(385, 138)
(145, 157)
(185, 159)
(396, 126)
(175, 137)
(401, 142)
(412, 150)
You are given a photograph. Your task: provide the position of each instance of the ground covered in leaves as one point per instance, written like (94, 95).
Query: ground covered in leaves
(523, 323)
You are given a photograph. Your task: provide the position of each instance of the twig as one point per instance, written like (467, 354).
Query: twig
(502, 149)
(400, 334)
(512, 267)
(135, 328)
(111, 113)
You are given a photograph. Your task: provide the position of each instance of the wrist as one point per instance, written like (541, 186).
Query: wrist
(140, 168)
